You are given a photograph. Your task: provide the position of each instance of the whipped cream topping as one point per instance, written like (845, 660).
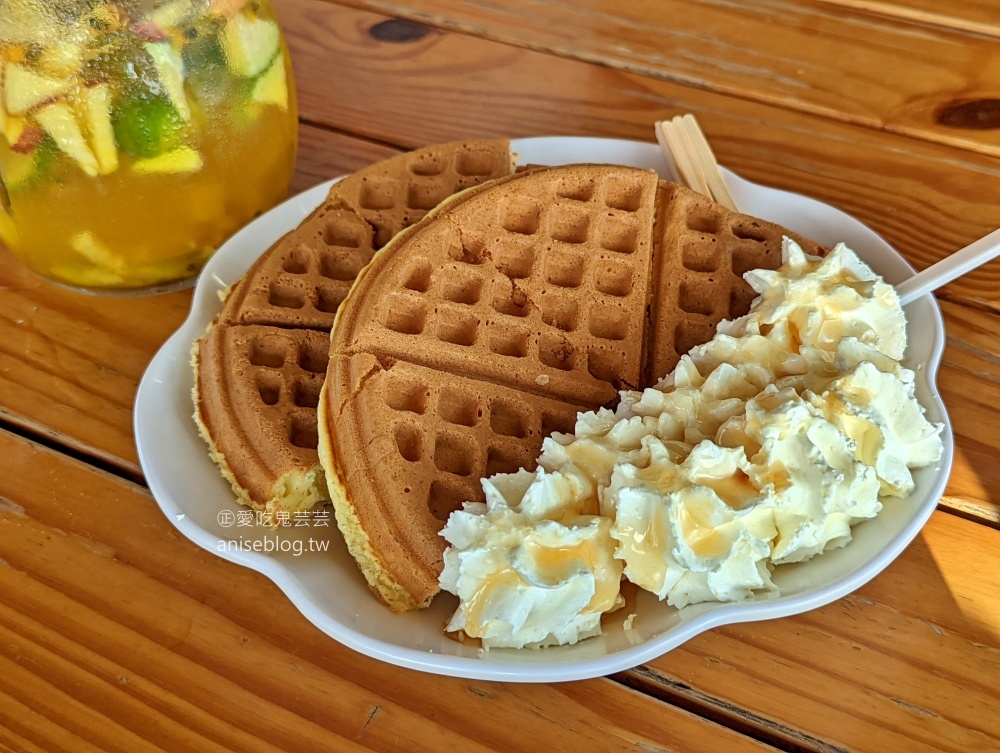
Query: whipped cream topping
(524, 578)
(763, 447)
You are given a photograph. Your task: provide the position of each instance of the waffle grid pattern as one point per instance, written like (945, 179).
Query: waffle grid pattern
(284, 372)
(307, 275)
(457, 431)
(704, 251)
(555, 287)
(284, 307)
(303, 283)
(402, 194)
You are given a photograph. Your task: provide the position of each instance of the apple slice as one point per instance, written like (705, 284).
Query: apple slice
(61, 124)
(13, 127)
(97, 107)
(28, 141)
(172, 14)
(272, 87)
(170, 70)
(25, 89)
(250, 44)
(17, 170)
(88, 246)
(62, 59)
(87, 277)
(181, 160)
(148, 30)
(227, 8)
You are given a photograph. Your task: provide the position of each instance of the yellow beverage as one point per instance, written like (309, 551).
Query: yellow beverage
(136, 136)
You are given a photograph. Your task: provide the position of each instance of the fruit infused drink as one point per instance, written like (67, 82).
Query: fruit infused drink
(136, 136)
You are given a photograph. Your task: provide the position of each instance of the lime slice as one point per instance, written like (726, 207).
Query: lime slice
(146, 125)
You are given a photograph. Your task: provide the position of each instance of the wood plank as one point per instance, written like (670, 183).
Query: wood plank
(969, 383)
(926, 199)
(883, 72)
(117, 633)
(324, 154)
(71, 363)
(975, 16)
(909, 662)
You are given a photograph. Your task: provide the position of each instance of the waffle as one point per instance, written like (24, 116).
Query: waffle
(531, 288)
(261, 362)
(702, 252)
(428, 437)
(544, 293)
(271, 377)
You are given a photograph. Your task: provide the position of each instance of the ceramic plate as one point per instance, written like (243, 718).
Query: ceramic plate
(327, 586)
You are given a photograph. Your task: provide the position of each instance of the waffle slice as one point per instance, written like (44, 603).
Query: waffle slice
(258, 411)
(302, 279)
(271, 378)
(428, 438)
(544, 293)
(538, 283)
(702, 252)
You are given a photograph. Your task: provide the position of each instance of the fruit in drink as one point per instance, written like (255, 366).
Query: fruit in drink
(157, 129)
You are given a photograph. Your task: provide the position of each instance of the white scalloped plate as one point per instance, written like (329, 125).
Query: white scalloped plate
(328, 588)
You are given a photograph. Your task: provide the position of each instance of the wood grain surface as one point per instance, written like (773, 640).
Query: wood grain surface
(890, 71)
(925, 198)
(200, 646)
(118, 634)
(83, 395)
(908, 662)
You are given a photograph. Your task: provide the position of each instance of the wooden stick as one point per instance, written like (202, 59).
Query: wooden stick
(691, 158)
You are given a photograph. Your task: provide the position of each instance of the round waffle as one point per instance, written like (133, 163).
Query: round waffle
(493, 322)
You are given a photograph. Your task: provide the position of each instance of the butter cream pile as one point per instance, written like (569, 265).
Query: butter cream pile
(763, 447)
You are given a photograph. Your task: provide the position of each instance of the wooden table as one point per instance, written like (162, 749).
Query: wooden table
(116, 633)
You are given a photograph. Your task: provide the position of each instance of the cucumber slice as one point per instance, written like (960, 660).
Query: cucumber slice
(146, 125)
(250, 44)
(272, 87)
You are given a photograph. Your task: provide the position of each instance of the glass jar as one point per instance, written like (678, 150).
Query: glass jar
(137, 135)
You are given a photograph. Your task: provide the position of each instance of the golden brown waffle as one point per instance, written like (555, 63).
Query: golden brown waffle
(703, 250)
(429, 438)
(540, 287)
(271, 378)
(302, 279)
(257, 416)
(545, 293)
